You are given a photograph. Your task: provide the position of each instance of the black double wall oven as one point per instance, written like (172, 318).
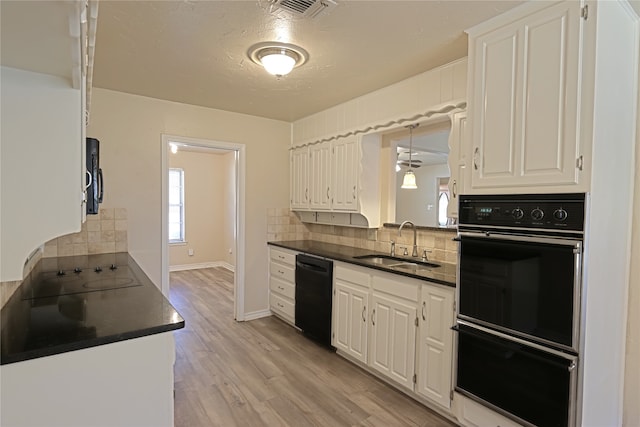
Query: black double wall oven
(519, 287)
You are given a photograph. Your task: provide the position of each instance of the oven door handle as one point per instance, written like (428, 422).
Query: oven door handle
(511, 338)
(576, 243)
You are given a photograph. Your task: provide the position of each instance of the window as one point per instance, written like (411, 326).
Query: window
(443, 200)
(176, 205)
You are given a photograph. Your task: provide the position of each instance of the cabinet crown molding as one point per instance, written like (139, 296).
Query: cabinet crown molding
(437, 110)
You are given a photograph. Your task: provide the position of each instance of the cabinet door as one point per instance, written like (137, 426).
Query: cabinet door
(393, 339)
(457, 161)
(436, 344)
(350, 320)
(525, 101)
(320, 176)
(345, 168)
(300, 178)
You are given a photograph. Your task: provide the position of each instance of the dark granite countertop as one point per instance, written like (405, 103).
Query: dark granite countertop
(52, 314)
(444, 275)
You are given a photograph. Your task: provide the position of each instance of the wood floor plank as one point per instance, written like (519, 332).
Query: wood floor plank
(266, 373)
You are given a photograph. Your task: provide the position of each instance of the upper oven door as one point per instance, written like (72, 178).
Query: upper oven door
(523, 285)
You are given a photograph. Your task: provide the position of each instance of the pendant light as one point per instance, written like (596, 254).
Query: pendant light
(409, 180)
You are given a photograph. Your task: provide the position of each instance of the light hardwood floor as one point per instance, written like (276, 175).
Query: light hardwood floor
(265, 373)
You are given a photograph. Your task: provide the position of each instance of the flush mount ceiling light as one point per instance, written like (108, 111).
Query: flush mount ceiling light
(278, 58)
(409, 180)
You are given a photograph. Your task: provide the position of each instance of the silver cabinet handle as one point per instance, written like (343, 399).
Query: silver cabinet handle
(454, 189)
(364, 316)
(476, 153)
(354, 192)
(90, 179)
(424, 305)
(373, 317)
(327, 193)
(280, 256)
(280, 271)
(306, 194)
(281, 288)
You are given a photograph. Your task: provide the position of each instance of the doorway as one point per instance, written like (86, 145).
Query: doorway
(235, 154)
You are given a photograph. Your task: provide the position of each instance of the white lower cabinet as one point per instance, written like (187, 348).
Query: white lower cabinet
(393, 338)
(435, 349)
(282, 283)
(350, 312)
(397, 327)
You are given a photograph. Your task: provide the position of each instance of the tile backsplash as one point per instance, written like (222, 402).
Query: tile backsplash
(282, 224)
(103, 233)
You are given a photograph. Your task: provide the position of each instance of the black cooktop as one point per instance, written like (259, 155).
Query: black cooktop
(77, 302)
(81, 279)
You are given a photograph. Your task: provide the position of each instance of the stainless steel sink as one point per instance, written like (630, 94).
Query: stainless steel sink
(396, 262)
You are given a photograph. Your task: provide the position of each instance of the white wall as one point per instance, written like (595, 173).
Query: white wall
(130, 127)
(413, 205)
(207, 207)
(40, 131)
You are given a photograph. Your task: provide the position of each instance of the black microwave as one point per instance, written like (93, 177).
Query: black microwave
(95, 182)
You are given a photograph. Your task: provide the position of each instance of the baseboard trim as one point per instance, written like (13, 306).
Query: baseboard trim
(257, 314)
(199, 265)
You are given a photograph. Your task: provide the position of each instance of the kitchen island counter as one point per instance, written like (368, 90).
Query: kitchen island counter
(58, 310)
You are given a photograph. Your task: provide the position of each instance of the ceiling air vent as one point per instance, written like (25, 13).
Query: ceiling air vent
(304, 8)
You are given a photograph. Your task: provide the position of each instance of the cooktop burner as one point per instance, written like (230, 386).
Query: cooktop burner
(80, 280)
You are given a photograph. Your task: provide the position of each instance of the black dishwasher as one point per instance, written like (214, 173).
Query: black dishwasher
(314, 278)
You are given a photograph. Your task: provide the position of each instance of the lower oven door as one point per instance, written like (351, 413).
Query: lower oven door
(524, 381)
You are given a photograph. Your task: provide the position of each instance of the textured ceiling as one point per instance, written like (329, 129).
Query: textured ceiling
(195, 52)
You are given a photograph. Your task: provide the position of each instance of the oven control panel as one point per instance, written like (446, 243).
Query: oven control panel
(533, 211)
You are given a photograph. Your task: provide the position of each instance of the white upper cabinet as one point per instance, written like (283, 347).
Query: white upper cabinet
(47, 56)
(338, 179)
(457, 161)
(320, 176)
(344, 178)
(524, 101)
(299, 178)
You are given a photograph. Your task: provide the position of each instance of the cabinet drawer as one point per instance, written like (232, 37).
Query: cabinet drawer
(283, 272)
(396, 285)
(473, 414)
(283, 257)
(281, 287)
(352, 275)
(282, 307)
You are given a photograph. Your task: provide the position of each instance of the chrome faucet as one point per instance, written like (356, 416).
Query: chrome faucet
(415, 246)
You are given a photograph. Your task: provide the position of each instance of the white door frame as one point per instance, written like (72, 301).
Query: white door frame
(239, 220)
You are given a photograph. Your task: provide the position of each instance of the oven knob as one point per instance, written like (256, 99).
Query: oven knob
(537, 214)
(560, 214)
(517, 213)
